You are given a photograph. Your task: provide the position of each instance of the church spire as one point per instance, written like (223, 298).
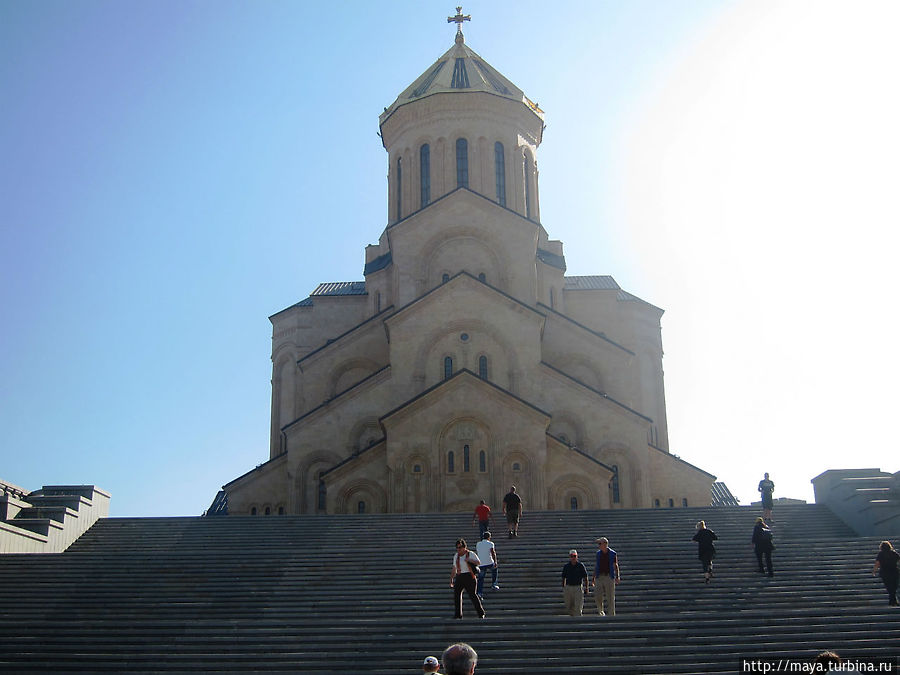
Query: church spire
(458, 20)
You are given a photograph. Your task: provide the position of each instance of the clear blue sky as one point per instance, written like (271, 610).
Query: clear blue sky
(176, 171)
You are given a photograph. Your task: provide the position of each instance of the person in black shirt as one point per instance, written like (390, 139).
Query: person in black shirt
(512, 507)
(886, 563)
(763, 545)
(766, 488)
(706, 550)
(574, 581)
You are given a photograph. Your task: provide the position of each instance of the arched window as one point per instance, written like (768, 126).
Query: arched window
(450, 458)
(526, 176)
(656, 503)
(482, 461)
(268, 511)
(445, 278)
(360, 507)
(616, 496)
(462, 162)
(481, 277)
(377, 301)
(425, 174)
(280, 510)
(671, 503)
(516, 466)
(482, 367)
(253, 511)
(323, 492)
(448, 366)
(573, 503)
(399, 188)
(466, 458)
(684, 502)
(500, 173)
(417, 468)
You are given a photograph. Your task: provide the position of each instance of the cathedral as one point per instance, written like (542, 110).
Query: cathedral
(466, 361)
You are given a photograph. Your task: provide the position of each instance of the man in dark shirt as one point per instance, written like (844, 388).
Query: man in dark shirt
(766, 488)
(512, 507)
(574, 581)
(606, 577)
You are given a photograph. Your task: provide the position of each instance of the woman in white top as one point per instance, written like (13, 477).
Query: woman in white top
(462, 578)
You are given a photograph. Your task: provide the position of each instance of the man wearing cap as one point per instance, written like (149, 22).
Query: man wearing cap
(574, 581)
(430, 665)
(606, 576)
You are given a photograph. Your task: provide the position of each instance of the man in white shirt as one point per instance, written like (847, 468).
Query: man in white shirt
(488, 555)
(462, 578)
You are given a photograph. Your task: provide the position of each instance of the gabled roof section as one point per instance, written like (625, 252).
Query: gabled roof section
(602, 282)
(625, 296)
(460, 69)
(378, 263)
(601, 394)
(557, 261)
(580, 452)
(572, 321)
(340, 288)
(463, 273)
(464, 372)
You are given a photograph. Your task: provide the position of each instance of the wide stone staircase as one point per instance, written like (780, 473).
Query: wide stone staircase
(370, 594)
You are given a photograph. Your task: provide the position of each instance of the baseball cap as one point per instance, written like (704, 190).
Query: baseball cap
(430, 661)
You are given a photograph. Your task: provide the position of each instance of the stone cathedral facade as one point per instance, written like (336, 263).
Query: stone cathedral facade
(466, 361)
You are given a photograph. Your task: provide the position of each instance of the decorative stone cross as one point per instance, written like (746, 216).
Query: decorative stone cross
(458, 19)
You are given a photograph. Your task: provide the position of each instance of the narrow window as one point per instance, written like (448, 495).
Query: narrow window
(417, 468)
(323, 492)
(268, 511)
(516, 466)
(671, 503)
(482, 278)
(466, 458)
(450, 463)
(552, 304)
(573, 503)
(482, 461)
(280, 510)
(500, 173)
(684, 502)
(462, 163)
(526, 170)
(253, 511)
(617, 499)
(399, 188)
(425, 172)
(482, 367)
(445, 278)
(377, 302)
(360, 507)
(448, 367)
(656, 503)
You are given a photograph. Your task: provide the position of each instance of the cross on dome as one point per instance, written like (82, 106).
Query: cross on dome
(458, 20)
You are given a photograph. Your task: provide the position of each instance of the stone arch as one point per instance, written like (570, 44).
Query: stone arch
(348, 372)
(306, 480)
(286, 394)
(567, 426)
(416, 494)
(362, 489)
(572, 485)
(363, 433)
(466, 250)
(501, 373)
(582, 369)
(629, 473)
(430, 266)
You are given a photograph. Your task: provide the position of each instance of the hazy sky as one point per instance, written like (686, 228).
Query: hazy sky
(173, 172)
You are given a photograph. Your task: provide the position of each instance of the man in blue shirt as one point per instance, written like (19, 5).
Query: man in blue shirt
(606, 577)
